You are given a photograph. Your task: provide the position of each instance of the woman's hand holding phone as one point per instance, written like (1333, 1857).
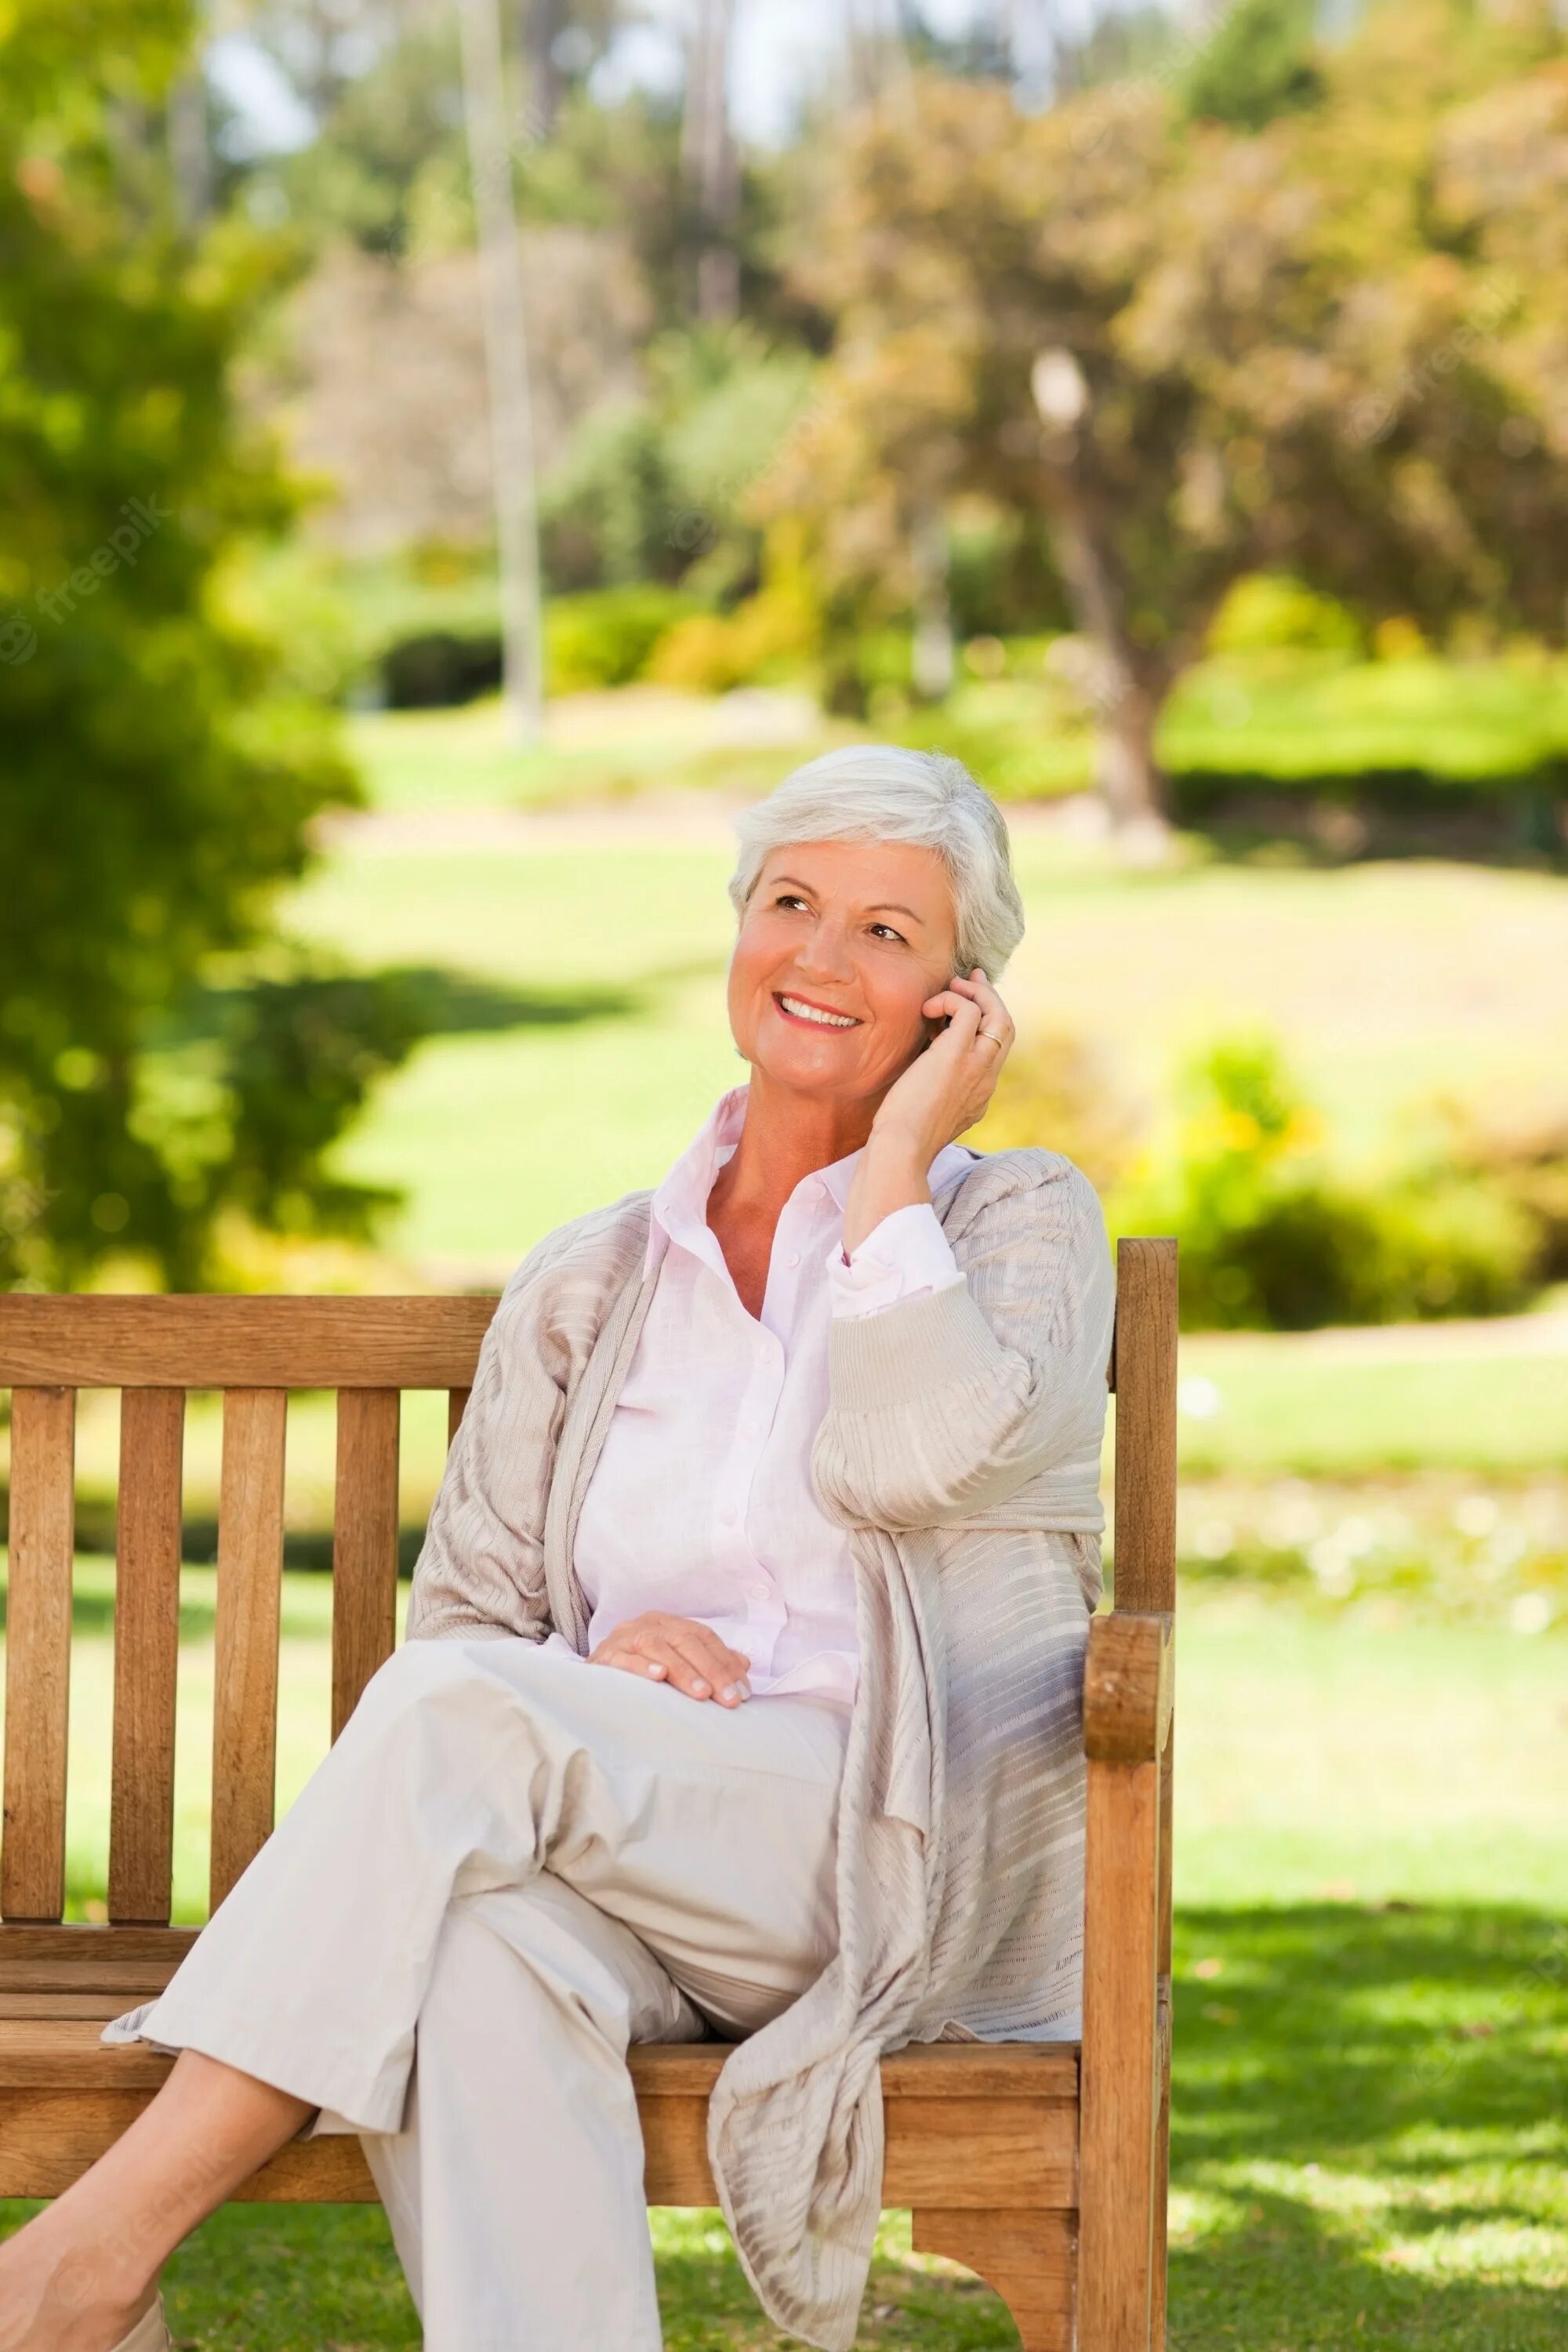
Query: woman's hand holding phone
(945, 1090)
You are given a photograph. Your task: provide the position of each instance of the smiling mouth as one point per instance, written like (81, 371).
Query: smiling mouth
(814, 1016)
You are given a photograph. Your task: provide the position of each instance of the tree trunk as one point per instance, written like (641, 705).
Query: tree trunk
(710, 164)
(505, 364)
(932, 652)
(540, 25)
(1126, 692)
(1129, 777)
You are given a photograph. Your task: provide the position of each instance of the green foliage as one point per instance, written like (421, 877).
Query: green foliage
(658, 488)
(1256, 64)
(1412, 734)
(161, 765)
(390, 159)
(388, 167)
(243, 1094)
(1273, 1238)
(604, 637)
(1269, 609)
(610, 513)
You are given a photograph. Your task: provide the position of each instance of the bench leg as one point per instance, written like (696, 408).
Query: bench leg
(1030, 2257)
(1121, 2148)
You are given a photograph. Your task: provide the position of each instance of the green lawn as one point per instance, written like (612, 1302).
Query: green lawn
(1275, 1402)
(1372, 1999)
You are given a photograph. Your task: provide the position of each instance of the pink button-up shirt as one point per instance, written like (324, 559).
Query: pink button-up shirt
(701, 1502)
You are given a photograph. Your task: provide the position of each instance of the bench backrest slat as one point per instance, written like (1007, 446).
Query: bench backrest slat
(220, 1342)
(249, 1603)
(146, 1655)
(37, 1652)
(456, 1405)
(364, 1544)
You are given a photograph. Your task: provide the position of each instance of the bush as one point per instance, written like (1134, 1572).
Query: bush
(438, 669)
(1268, 609)
(774, 634)
(604, 637)
(1055, 1092)
(1272, 1239)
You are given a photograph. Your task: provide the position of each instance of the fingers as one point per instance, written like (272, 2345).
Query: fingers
(994, 1019)
(689, 1656)
(961, 1013)
(980, 1014)
(717, 1671)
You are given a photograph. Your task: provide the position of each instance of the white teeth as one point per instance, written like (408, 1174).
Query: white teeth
(813, 1012)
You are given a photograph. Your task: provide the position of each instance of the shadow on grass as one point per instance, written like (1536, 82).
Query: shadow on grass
(1358, 2094)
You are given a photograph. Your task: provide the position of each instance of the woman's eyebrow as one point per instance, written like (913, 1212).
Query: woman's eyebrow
(879, 907)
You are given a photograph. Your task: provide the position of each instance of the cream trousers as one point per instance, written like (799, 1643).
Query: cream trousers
(511, 1866)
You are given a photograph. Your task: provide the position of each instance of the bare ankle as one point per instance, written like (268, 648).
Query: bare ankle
(91, 2290)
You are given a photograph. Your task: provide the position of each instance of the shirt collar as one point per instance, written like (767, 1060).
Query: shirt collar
(679, 1209)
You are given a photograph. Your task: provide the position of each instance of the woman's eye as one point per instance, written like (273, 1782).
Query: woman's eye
(887, 931)
(789, 898)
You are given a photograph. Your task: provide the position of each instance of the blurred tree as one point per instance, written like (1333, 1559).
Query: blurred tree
(387, 166)
(158, 776)
(1332, 347)
(561, 42)
(389, 150)
(1260, 61)
(1368, 302)
(656, 488)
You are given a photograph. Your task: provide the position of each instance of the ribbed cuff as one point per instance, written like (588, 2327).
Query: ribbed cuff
(941, 1340)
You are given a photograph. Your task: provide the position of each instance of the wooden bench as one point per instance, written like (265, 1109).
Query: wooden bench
(1041, 2167)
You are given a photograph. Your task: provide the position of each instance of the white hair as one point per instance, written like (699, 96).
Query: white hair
(880, 792)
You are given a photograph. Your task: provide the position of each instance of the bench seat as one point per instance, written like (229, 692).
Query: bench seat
(993, 2124)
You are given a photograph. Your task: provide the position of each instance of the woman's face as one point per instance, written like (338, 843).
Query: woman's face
(859, 930)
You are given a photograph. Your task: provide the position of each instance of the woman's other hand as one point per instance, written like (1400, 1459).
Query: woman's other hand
(680, 1651)
(944, 1091)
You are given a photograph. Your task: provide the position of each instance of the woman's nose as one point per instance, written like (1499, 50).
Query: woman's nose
(825, 955)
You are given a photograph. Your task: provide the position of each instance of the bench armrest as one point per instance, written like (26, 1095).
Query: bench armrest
(1128, 1687)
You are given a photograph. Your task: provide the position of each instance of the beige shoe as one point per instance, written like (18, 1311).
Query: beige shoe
(150, 2333)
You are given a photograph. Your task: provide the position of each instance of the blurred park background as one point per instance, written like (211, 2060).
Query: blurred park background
(1165, 408)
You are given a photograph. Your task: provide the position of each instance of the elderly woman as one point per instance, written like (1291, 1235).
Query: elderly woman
(804, 1449)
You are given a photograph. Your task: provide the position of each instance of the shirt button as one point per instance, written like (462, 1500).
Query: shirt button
(758, 1592)
(794, 1258)
(728, 1515)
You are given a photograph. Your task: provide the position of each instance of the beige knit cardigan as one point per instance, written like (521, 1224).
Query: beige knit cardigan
(961, 1448)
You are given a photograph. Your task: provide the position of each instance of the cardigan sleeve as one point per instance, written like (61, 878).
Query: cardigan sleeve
(950, 1402)
(480, 1571)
